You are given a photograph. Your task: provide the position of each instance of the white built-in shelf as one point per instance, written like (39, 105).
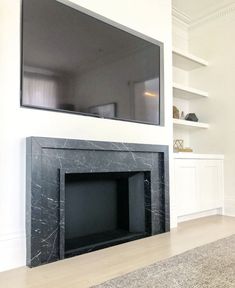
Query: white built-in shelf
(188, 93)
(190, 124)
(187, 61)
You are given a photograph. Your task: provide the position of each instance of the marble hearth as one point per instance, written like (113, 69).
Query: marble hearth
(128, 183)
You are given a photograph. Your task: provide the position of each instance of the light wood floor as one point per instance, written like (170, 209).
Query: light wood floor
(97, 267)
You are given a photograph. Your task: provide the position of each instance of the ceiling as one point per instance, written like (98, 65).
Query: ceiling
(194, 10)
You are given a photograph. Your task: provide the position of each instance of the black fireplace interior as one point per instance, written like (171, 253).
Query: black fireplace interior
(105, 209)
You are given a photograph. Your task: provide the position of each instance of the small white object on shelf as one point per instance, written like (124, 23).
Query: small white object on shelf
(185, 123)
(188, 93)
(187, 61)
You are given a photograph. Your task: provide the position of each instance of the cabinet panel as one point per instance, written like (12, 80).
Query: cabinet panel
(210, 184)
(186, 186)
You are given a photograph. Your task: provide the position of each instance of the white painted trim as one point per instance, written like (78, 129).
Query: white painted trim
(222, 12)
(12, 250)
(217, 211)
(186, 20)
(180, 24)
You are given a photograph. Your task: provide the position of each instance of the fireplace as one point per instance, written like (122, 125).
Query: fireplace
(87, 195)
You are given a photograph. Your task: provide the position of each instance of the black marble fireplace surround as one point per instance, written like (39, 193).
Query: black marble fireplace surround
(87, 195)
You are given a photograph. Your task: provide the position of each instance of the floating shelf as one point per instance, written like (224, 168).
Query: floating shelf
(187, 61)
(190, 124)
(192, 155)
(184, 92)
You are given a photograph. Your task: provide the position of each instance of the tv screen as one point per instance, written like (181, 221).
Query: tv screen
(76, 62)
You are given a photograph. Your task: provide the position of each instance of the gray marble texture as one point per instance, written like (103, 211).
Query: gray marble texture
(48, 159)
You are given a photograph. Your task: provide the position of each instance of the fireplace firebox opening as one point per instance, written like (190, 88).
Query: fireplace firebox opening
(104, 209)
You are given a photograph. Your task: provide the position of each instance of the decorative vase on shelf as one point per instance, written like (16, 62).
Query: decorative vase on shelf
(176, 113)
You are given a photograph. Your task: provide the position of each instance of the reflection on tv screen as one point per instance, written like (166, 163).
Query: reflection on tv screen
(76, 63)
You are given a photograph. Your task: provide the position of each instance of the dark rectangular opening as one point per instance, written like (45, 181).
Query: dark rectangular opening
(105, 209)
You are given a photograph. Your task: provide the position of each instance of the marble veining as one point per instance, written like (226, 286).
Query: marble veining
(48, 159)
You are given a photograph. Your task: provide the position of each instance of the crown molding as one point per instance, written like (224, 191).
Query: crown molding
(181, 16)
(186, 21)
(178, 23)
(223, 12)
(180, 20)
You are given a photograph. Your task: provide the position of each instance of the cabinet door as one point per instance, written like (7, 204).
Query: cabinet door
(210, 182)
(186, 183)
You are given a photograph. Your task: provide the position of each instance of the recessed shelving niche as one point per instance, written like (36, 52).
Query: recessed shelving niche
(188, 62)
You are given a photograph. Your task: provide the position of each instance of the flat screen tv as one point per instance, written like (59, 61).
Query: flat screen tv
(76, 61)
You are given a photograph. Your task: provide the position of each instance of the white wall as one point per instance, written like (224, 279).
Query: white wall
(215, 41)
(151, 17)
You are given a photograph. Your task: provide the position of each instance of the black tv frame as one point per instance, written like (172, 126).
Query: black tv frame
(118, 26)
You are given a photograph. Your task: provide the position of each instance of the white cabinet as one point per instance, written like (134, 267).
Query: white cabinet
(198, 185)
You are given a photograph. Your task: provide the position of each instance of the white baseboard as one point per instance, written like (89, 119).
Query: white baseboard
(217, 211)
(12, 251)
(229, 208)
